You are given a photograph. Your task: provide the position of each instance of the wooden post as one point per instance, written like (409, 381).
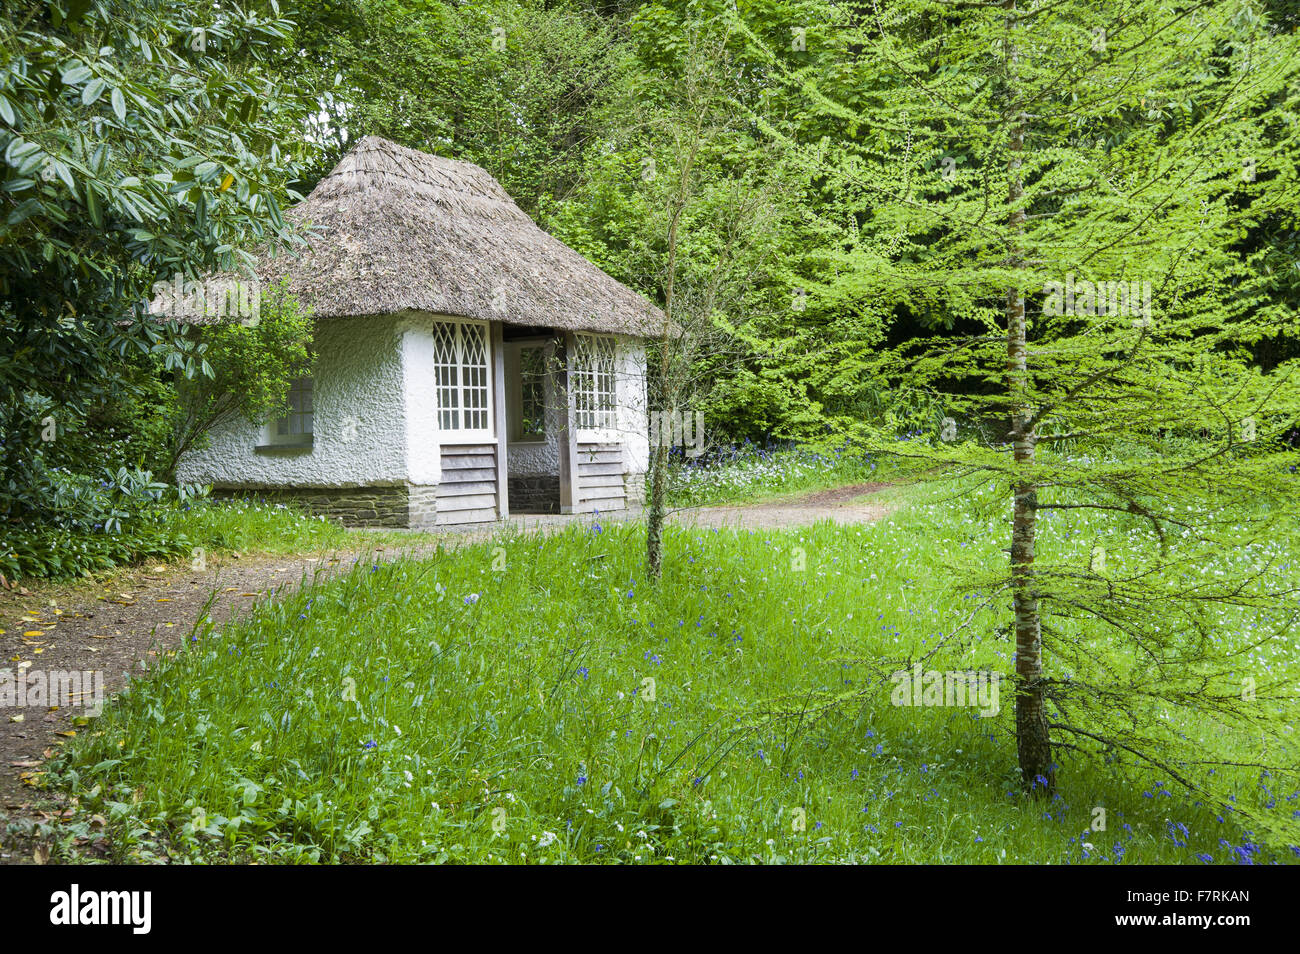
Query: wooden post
(568, 437)
(502, 423)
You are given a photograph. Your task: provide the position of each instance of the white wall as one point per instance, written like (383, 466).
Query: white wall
(633, 413)
(375, 419)
(423, 460)
(359, 422)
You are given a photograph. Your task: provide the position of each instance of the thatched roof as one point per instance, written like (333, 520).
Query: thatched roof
(394, 229)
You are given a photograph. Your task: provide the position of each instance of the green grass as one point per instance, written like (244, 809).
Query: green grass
(751, 473)
(490, 704)
(251, 525)
(173, 531)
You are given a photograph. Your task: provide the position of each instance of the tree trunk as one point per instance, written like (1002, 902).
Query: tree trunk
(1033, 739)
(655, 515)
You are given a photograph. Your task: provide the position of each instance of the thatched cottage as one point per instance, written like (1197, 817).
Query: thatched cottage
(467, 363)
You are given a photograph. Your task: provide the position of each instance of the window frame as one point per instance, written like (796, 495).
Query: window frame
(464, 435)
(276, 437)
(515, 390)
(602, 424)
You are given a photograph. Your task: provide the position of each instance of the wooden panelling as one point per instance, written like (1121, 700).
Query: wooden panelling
(600, 476)
(462, 474)
(602, 493)
(593, 470)
(466, 516)
(467, 461)
(604, 457)
(467, 487)
(449, 503)
(468, 491)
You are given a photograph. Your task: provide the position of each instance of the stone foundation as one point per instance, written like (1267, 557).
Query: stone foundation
(534, 494)
(351, 506)
(422, 505)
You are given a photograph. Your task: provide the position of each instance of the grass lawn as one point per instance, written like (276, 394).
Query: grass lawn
(749, 474)
(536, 700)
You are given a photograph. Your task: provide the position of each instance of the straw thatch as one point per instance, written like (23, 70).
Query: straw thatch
(394, 229)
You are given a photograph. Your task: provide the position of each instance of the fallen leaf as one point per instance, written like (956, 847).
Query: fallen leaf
(41, 854)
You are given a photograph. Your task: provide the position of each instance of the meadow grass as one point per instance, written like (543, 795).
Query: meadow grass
(535, 699)
(750, 472)
(277, 528)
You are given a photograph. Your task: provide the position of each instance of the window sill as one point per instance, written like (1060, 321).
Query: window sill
(463, 437)
(296, 447)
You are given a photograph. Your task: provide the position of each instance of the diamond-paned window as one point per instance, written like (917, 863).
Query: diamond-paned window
(594, 399)
(460, 355)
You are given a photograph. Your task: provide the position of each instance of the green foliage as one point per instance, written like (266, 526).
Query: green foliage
(95, 523)
(1013, 155)
(248, 368)
(510, 86)
(396, 714)
(748, 472)
(127, 518)
(140, 140)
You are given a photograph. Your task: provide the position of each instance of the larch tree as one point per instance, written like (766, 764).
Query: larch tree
(1064, 189)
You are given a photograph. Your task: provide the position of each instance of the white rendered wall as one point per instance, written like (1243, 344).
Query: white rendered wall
(359, 420)
(633, 414)
(423, 461)
(375, 416)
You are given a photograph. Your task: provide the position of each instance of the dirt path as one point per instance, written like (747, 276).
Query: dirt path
(121, 625)
(851, 504)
